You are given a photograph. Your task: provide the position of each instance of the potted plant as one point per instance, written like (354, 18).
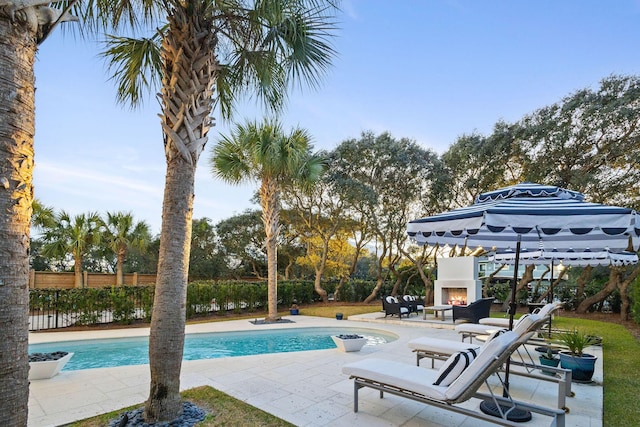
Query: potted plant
(548, 358)
(580, 363)
(294, 309)
(349, 342)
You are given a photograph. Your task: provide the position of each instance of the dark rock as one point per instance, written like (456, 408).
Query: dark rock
(43, 357)
(191, 415)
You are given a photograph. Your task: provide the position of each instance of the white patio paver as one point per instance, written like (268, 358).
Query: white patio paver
(305, 388)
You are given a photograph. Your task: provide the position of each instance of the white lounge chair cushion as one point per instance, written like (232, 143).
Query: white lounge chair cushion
(440, 346)
(475, 328)
(454, 366)
(524, 323)
(492, 350)
(400, 375)
(419, 380)
(495, 321)
(549, 309)
(496, 334)
(546, 310)
(521, 325)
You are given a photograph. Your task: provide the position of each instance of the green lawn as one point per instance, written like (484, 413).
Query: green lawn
(621, 384)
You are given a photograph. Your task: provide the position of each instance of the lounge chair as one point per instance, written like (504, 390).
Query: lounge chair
(440, 349)
(413, 303)
(544, 310)
(417, 383)
(393, 307)
(488, 325)
(474, 311)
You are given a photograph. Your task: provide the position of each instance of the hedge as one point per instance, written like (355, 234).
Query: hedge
(53, 308)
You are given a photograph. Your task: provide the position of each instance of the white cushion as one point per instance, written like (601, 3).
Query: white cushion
(489, 353)
(495, 334)
(495, 321)
(474, 328)
(548, 309)
(404, 310)
(440, 346)
(454, 366)
(391, 299)
(399, 375)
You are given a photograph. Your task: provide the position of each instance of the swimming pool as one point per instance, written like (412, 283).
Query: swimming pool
(104, 353)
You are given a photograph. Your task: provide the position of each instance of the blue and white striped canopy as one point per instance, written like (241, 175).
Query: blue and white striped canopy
(570, 257)
(559, 219)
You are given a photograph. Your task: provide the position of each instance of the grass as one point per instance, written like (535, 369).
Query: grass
(222, 411)
(621, 387)
(621, 353)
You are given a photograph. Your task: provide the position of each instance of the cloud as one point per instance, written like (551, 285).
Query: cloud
(56, 174)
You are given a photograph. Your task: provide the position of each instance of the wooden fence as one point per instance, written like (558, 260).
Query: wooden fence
(49, 280)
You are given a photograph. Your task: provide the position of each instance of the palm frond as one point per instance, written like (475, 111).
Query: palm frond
(98, 16)
(136, 65)
(300, 32)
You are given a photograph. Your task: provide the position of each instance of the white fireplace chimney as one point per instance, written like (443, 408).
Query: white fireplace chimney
(457, 281)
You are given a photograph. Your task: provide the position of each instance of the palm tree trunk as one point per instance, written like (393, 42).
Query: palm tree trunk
(188, 76)
(17, 54)
(119, 271)
(270, 201)
(166, 339)
(77, 271)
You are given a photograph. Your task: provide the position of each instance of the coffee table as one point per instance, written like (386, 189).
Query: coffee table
(439, 309)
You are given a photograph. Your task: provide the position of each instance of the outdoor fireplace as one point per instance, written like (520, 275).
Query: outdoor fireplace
(457, 282)
(454, 296)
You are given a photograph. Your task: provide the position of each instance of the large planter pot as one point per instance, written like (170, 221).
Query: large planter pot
(349, 344)
(549, 362)
(294, 311)
(47, 368)
(581, 367)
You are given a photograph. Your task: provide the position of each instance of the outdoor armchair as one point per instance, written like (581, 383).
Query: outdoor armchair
(392, 306)
(474, 311)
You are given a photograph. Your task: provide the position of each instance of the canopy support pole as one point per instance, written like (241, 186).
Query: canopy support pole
(512, 306)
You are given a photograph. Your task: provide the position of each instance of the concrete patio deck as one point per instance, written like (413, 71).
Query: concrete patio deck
(305, 388)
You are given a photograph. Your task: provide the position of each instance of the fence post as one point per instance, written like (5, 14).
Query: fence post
(55, 312)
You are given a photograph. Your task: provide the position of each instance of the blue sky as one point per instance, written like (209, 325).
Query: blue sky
(422, 69)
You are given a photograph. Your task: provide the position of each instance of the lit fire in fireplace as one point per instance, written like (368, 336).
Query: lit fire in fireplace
(457, 301)
(455, 296)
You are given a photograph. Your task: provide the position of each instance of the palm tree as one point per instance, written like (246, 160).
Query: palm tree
(42, 216)
(206, 54)
(23, 26)
(72, 236)
(121, 234)
(265, 154)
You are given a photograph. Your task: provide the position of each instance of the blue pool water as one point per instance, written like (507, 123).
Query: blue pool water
(134, 351)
